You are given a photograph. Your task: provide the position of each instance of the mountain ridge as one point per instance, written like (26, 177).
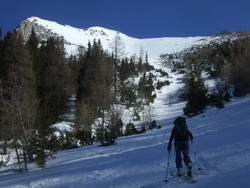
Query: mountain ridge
(75, 37)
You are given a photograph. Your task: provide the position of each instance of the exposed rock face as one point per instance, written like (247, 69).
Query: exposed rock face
(42, 33)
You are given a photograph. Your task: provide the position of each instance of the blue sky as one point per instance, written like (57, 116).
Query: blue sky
(136, 18)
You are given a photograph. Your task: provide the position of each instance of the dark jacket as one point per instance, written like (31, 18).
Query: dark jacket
(178, 137)
(180, 132)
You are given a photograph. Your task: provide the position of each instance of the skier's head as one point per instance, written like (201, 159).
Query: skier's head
(180, 120)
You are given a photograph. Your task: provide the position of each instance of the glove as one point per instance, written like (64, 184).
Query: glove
(169, 146)
(191, 137)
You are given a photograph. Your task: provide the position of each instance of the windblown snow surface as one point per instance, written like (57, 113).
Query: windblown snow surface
(221, 142)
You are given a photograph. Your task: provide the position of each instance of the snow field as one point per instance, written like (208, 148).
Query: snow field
(221, 139)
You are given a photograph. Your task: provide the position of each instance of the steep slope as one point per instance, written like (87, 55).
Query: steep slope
(75, 37)
(221, 140)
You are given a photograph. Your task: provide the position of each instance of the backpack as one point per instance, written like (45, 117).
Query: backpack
(181, 126)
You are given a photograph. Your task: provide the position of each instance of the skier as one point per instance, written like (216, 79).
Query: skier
(181, 135)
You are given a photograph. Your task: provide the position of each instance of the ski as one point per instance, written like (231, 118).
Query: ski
(184, 177)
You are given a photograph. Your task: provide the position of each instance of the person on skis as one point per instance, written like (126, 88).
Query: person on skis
(181, 135)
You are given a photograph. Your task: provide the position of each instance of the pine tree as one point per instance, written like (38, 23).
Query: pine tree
(128, 93)
(53, 97)
(124, 70)
(4, 71)
(5, 59)
(95, 86)
(18, 97)
(130, 129)
(146, 87)
(196, 95)
(52, 81)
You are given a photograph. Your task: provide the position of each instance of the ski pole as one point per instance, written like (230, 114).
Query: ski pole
(199, 168)
(166, 179)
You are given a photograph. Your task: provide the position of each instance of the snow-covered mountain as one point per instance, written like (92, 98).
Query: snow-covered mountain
(75, 37)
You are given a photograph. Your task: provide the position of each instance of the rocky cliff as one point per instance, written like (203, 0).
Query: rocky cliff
(42, 33)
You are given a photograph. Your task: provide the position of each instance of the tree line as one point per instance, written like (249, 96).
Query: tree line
(228, 63)
(37, 80)
(33, 96)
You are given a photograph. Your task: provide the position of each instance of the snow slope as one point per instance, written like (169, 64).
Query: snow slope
(221, 139)
(75, 37)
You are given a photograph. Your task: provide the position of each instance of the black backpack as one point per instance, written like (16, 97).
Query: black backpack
(181, 126)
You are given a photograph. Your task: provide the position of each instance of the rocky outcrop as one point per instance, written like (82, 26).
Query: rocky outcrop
(25, 28)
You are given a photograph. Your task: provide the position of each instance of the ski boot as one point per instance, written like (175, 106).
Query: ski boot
(179, 171)
(189, 171)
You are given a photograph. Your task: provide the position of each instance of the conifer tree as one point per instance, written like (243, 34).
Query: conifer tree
(53, 96)
(146, 87)
(95, 88)
(18, 97)
(196, 95)
(4, 70)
